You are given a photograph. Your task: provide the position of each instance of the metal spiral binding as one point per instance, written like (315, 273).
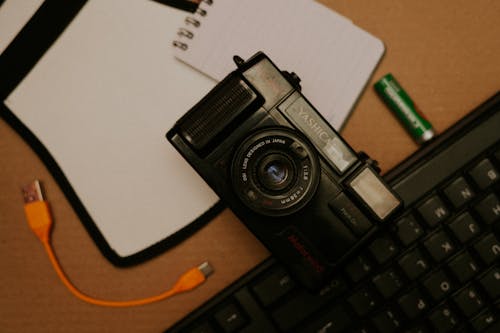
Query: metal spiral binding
(183, 32)
(201, 12)
(181, 45)
(190, 21)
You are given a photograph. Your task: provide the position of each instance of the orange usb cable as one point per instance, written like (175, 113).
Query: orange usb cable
(40, 221)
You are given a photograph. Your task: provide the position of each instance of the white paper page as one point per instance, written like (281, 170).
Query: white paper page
(101, 100)
(333, 57)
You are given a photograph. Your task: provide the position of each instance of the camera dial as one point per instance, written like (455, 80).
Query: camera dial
(275, 171)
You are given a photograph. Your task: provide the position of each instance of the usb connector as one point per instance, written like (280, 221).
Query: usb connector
(37, 210)
(32, 192)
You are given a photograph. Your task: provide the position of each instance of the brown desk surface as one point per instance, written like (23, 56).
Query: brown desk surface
(446, 55)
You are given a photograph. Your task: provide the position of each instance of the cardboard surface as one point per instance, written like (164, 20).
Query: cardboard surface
(445, 54)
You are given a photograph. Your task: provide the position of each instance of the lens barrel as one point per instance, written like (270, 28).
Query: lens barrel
(275, 171)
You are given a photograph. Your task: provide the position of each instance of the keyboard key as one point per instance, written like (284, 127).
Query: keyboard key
(387, 321)
(408, 230)
(335, 287)
(488, 248)
(494, 328)
(258, 320)
(468, 300)
(383, 249)
(336, 319)
(438, 285)
(490, 282)
(459, 192)
(444, 319)
(464, 267)
(274, 286)
(439, 246)
(421, 328)
(230, 318)
(464, 227)
(414, 264)
(388, 283)
(489, 209)
(413, 304)
(484, 320)
(202, 328)
(363, 328)
(303, 304)
(484, 174)
(433, 211)
(358, 268)
(363, 301)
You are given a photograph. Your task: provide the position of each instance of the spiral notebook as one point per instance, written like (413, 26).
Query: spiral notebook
(333, 57)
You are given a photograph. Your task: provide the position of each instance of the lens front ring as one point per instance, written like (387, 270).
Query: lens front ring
(275, 171)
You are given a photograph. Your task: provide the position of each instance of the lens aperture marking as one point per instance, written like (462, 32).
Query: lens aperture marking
(305, 171)
(292, 197)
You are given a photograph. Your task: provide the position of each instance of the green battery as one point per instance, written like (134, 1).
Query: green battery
(404, 108)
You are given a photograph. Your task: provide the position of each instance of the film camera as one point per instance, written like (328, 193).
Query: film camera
(283, 170)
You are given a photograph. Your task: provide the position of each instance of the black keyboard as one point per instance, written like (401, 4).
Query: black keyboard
(434, 270)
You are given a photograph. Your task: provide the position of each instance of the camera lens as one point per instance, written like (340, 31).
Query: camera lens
(275, 174)
(275, 171)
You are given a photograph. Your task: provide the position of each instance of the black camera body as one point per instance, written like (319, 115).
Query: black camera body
(283, 170)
